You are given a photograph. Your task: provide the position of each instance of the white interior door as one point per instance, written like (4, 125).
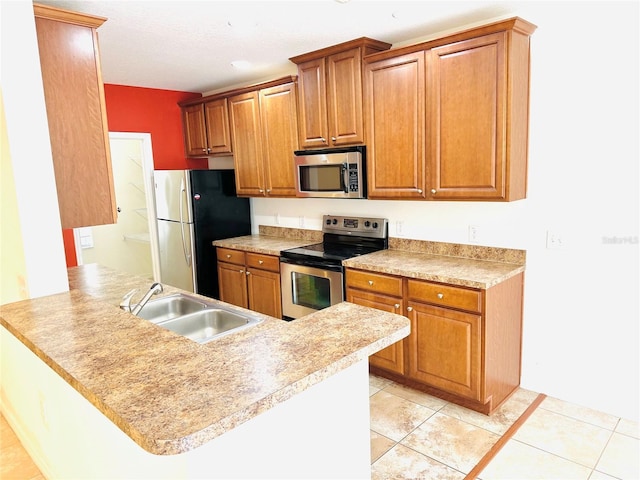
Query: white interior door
(131, 244)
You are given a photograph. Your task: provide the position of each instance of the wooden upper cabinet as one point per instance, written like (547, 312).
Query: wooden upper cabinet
(330, 94)
(278, 115)
(395, 127)
(206, 128)
(468, 98)
(264, 131)
(76, 112)
(244, 114)
(312, 104)
(455, 128)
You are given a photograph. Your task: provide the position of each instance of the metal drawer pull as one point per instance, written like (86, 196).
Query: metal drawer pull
(396, 306)
(228, 255)
(409, 309)
(260, 262)
(370, 283)
(441, 296)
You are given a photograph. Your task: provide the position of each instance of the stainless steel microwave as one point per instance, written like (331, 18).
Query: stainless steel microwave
(331, 173)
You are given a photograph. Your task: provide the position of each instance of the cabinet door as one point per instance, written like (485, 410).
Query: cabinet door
(76, 113)
(233, 284)
(313, 129)
(395, 120)
(467, 88)
(216, 113)
(195, 135)
(264, 292)
(279, 138)
(392, 357)
(344, 98)
(244, 115)
(444, 349)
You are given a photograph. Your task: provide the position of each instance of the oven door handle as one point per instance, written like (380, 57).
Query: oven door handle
(312, 263)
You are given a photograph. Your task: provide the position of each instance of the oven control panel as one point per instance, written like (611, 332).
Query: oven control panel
(359, 226)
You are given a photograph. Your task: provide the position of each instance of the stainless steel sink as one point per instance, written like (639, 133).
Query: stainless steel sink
(170, 307)
(208, 324)
(195, 319)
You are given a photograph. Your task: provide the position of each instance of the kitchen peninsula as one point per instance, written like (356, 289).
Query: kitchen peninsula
(97, 392)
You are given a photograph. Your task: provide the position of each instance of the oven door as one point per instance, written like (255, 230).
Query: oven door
(307, 289)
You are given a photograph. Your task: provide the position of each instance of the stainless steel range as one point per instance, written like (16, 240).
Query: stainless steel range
(312, 277)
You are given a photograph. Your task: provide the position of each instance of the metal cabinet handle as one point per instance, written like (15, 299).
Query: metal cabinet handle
(441, 296)
(324, 140)
(396, 306)
(409, 309)
(228, 255)
(260, 262)
(204, 150)
(248, 272)
(433, 191)
(419, 190)
(241, 271)
(333, 139)
(370, 283)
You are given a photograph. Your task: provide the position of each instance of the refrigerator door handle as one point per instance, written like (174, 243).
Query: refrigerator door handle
(183, 193)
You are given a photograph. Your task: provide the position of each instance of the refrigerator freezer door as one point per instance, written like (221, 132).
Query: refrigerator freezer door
(173, 195)
(176, 257)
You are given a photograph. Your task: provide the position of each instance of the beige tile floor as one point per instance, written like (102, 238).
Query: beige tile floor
(417, 436)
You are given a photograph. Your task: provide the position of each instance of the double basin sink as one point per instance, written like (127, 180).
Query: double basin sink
(195, 319)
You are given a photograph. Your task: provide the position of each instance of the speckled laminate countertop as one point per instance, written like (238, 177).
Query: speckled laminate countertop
(168, 393)
(271, 240)
(456, 264)
(462, 271)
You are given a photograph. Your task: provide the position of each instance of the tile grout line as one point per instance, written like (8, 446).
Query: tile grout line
(493, 451)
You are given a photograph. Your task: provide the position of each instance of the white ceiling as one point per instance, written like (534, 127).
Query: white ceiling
(189, 45)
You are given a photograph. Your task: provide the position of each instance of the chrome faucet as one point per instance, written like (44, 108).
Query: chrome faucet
(125, 304)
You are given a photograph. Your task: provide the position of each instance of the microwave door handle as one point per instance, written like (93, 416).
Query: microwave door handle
(345, 177)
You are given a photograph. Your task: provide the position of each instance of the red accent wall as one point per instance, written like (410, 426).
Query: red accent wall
(149, 110)
(146, 110)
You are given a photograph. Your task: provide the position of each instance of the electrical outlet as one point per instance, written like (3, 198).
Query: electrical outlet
(399, 227)
(554, 239)
(474, 233)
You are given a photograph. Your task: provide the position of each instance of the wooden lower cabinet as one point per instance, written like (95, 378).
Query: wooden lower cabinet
(392, 357)
(465, 343)
(250, 280)
(383, 292)
(444, 349)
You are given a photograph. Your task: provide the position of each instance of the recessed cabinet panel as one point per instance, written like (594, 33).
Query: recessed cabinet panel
(279, 133)
(244, 113)
(217, 120)
(195, 130)
(344, 98)
(445, 349)
(468, 94)
(313, 106)
(395, 120)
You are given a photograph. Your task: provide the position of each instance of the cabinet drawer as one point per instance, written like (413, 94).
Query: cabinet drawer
(445, 295)
(230, 256)
(263, 262)
(374, 282)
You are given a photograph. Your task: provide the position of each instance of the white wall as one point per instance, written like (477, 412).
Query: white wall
(581, 301)
(30, 155)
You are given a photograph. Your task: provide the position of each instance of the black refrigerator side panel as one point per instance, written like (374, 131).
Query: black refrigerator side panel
(217, 213)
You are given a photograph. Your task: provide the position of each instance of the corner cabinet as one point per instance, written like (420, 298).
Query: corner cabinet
(76, 112)
(460, 106)
(206, 128)
(264, 132)
(330, 93)
(250, 280)
(465, 343)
